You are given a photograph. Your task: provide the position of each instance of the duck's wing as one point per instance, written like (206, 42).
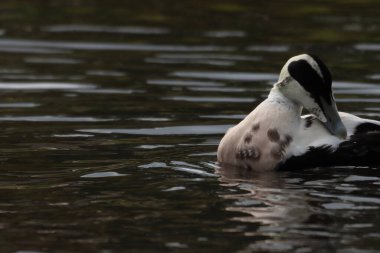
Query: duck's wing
(362, 148)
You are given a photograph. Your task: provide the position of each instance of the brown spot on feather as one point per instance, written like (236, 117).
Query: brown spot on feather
(256, 127)
(250, 153)
(273, 135)
(286, 141)
(288, 138)
(248, 138)
(309, 121)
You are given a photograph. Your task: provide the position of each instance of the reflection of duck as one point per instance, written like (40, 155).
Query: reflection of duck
(278, 212)
(275, 135)
(266, 198)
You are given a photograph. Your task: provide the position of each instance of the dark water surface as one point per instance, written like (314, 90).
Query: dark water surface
(111, 113)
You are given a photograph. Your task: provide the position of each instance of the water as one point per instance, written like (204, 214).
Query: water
(111, 113)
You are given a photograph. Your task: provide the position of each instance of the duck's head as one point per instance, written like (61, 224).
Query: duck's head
(306, 80)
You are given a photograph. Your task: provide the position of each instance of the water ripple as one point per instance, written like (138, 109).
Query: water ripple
(154, 119)
(224, 116)
(359, 91)
(44, 86)
(210, 99)
(153, 165)
(103, 174)
(109, 91)
(374, 77)
(354, 85)
(111, 73)
(193, 56)
(225, 34)
(18, 105)
(269, 48)
(194, 171)
(72, 135)
(218, 89)
(367, 46)
(205, 58)
(233, 76)
(349, 198)
(40, 60)
(105, 29)
(48, 118)
(174, 130)
(155, 146)
(31, 77)
(8, 48)
(170, 82)
(20, 45)
(175, 188)
(186, 61)
(358, 100)
(355, 178)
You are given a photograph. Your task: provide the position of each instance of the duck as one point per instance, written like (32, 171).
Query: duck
(275, 135)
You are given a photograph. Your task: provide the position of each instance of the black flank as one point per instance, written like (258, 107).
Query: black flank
(366, 127)
(310, 159)
(363, 149)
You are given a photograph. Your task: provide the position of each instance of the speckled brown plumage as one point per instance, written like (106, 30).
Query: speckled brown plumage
(309, 121)
(273, 135)
(249, 153)
(285, 141)
(256, 127)
(248, 138)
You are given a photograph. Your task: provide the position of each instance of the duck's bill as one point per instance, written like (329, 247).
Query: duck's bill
(332, 120)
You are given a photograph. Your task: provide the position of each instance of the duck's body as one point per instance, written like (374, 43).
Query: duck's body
(275, 135)
(360, 148)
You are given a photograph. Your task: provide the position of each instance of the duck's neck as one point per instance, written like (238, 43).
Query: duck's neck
(277, 97)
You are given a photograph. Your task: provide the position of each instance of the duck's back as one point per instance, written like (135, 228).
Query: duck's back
(260, 140)
(361, 148)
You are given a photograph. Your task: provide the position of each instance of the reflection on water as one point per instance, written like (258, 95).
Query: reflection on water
(111, 113)
(294, 212)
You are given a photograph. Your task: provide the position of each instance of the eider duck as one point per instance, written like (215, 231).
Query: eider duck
(275, 135)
